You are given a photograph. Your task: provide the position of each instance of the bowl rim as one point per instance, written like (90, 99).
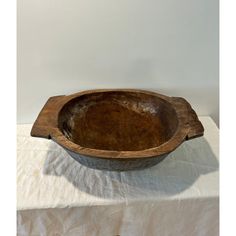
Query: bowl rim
(180, 105)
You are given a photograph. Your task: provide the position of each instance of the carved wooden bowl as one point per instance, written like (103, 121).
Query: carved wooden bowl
(117, 129)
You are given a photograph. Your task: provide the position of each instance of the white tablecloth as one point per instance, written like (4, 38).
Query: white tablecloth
(58, 196)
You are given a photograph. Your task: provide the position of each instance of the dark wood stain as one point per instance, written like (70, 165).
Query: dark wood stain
(117, 129)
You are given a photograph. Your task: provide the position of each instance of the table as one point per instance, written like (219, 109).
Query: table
(58, 196)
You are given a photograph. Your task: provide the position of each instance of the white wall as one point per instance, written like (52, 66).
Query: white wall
(169, 46)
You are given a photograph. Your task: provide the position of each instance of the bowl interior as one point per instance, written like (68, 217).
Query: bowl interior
(118, 120)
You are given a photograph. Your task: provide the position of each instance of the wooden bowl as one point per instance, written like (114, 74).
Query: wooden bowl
(117, 129)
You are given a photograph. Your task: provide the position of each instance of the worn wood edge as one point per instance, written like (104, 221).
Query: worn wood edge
(91, 91)
(195, 127)
(46, 121)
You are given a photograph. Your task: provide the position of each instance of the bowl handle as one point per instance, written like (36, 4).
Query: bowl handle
(195, 127)
(46, 121)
